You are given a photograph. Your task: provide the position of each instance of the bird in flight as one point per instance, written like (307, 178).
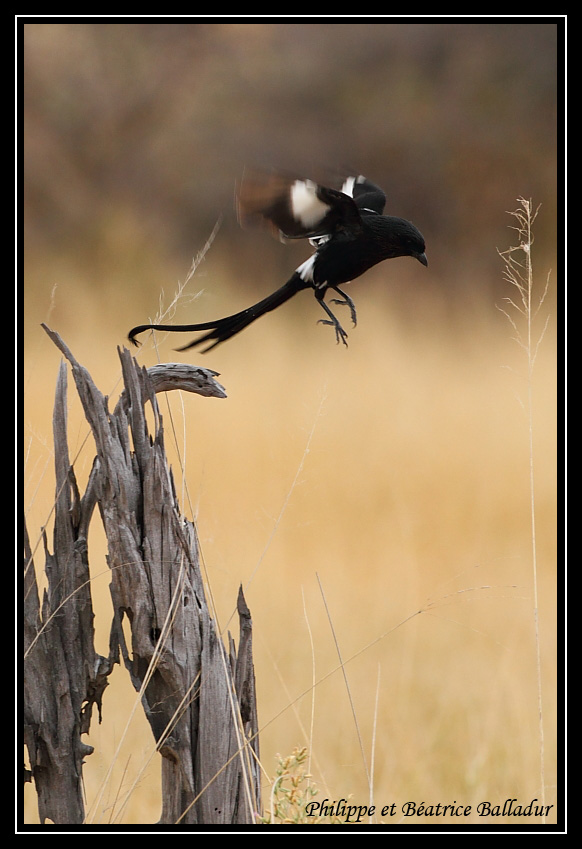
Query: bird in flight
(347, 228)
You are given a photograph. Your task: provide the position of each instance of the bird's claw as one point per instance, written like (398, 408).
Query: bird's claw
(340, 333)
(349, 304)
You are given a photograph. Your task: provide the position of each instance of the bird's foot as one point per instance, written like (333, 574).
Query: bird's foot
(340, 333)
(349, 304)
(346, 301)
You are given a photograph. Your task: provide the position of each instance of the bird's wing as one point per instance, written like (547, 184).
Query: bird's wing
(367, 196)
(295, 208)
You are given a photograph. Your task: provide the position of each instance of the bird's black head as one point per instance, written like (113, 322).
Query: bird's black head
(409, 240)
(395, 237)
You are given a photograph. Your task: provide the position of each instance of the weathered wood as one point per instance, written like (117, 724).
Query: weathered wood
(168, 376)
(199, 701)
(63, 675)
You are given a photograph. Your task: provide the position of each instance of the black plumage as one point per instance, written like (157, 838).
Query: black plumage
(348, 229)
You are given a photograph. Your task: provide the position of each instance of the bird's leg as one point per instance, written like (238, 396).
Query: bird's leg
(340, 333)
(347, 301)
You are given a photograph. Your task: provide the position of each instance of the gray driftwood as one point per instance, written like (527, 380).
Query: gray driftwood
(63, 676)
(199, 697)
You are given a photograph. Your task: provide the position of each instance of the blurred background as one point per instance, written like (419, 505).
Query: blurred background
(378, 481)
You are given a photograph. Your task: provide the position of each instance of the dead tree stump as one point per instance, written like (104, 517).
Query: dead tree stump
(199, 697)
(63, 675)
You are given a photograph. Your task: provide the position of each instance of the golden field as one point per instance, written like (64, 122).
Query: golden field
(386, 484)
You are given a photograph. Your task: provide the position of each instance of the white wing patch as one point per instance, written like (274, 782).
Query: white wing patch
(305, 270)
(348, 187)
(306, 207)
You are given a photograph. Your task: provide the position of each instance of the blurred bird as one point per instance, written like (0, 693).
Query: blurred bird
(347, 228)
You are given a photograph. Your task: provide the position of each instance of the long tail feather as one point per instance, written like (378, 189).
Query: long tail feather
(224, 328)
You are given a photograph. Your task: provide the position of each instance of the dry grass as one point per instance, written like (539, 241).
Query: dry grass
(412, 498)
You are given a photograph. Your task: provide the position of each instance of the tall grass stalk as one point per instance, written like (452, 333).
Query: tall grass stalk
(373, 748)
(348, 690)
(312, 716)
(518, 272)
(167, 313)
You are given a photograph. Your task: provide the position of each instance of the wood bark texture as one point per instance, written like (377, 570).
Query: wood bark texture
(199, 697)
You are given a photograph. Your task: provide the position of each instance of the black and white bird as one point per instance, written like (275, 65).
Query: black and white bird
(348, 229)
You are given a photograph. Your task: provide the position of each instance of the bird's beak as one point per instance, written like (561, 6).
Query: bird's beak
(422, 258)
